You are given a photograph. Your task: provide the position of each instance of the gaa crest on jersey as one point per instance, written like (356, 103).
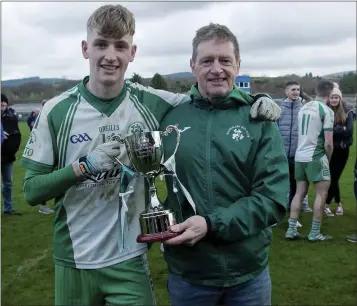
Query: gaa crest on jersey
(136, 127)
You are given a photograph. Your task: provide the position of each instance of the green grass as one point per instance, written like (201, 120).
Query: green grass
(302, 273)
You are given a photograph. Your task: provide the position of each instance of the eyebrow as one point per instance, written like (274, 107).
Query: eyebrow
(102, 40)
(219, 57)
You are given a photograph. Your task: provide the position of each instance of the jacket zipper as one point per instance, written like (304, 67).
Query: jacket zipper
(209, 182)
(208, 161)
(291, 126)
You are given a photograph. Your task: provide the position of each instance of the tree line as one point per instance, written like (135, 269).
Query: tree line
(36, 92)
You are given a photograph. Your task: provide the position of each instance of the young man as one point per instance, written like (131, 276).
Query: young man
(315, 147)
(288, 126)
(236, 172)
(9, 148)
(70, 157)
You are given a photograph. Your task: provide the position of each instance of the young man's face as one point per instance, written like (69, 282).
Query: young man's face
(108, 57)
(215, 68)
(293, 92)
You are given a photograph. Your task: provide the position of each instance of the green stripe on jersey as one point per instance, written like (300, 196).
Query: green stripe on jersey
(145, 113)
(68, 124)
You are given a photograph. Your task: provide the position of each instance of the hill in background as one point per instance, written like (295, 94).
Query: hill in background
(36, 89)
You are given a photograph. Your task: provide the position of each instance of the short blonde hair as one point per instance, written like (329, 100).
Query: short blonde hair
(112, 21)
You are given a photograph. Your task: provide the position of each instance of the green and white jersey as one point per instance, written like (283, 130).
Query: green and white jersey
(88, 230)
(314, 118)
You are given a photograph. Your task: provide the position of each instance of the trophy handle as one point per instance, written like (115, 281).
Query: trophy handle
(168, 130)
(121, 140)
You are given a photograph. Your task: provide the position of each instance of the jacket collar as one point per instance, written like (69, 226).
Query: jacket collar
(232, 100)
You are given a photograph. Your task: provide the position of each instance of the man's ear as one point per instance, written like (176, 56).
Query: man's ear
(238, 67)
(192, 65)
(134, 48)
(85, 49)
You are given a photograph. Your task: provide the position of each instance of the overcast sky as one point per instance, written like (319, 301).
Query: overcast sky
(276, 38)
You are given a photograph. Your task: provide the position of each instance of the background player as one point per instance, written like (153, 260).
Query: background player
(315, 147)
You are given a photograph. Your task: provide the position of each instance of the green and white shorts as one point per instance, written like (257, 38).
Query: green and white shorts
(315, 171)
(126, 283)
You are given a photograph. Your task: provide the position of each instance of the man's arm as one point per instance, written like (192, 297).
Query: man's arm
(264, 108)
(40, 157)
(40, 186)
(156, 102)
(328, 123)
(328, 143)
(266, 204)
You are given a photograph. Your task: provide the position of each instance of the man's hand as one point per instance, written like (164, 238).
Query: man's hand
(265, 108)
(101, 159)
(6, 135)
(194, 229)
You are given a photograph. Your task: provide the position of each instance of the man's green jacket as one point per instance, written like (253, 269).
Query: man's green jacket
(236, 170)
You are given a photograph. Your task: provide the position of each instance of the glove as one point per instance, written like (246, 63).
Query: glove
(265, 108)
(101, 159)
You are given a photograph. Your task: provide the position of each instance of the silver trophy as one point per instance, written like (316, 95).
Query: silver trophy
(145, 151)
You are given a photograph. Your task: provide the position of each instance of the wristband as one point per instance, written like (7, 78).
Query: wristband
(209, 223)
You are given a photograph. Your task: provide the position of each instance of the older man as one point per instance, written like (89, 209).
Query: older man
(236, 171)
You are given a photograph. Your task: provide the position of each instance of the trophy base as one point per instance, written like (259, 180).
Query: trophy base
(156, 237)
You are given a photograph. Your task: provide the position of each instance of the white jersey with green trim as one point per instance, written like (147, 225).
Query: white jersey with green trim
(313, 120)
(88, 222)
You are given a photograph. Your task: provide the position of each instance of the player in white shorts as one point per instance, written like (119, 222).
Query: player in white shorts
(315, 147)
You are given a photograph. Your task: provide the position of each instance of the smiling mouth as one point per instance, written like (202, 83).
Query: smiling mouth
(109, 67)
(217, 80)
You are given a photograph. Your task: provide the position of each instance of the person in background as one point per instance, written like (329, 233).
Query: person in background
(2, 135)
(31, 122)
(32, 118)
(342, 140)
(288, 126)
(314, 151)
(353, 238)
(9, 148)
(304, 96)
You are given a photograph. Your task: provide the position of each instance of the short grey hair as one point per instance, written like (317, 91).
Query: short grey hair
(214, 31)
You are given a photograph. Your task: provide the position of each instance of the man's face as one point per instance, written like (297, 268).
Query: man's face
(216, 68)
(293, 92)
(3, 106)
(108, 57)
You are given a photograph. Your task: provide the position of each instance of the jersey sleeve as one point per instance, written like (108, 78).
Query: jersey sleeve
(39, 153)
(156, 102)
(328, 120)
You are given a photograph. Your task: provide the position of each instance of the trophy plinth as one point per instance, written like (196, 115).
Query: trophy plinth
(145, 150)
(155, 226)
